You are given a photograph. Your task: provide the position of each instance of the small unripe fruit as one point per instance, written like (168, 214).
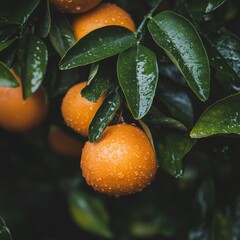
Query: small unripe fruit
(77, 111)
(121, 162)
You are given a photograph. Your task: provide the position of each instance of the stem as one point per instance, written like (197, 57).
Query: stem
(146, 18)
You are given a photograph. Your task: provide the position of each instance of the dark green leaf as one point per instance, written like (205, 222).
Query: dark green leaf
(90, 214)
(177, 36)
(104, 116)
(97, 45)
(138, 75)
(177, 101)
(204, 201)
(223, 117)
(100, 84)
(4, 231)
(17, 11)
(170, 148)
(93, 71)
(6, 77)
(155, 117)
(33, 56)
(7, 55)
(5, 44)
(205, 6)
(224, 52)
(61, 34)
(44, 23)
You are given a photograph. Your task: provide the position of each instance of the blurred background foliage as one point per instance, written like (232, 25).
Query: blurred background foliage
(43, 195)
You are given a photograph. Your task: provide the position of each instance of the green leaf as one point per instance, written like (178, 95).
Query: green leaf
(4, 231)
(205, 6)
(177, 36)
(18, 11)
(104, 116)
(138, 75)
(177, 101)
(33, 57)
(90, 214)
(7, 55)
(6, 77)
(5, 44)
(155, 117)
(224, 51)
(170, 148)
(44, 21)
(61, 34)
(97, 45)
(99, 84)
(223, 117)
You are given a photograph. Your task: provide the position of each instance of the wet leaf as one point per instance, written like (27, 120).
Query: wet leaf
(4, 231)
(99, 84)
(104, 116)
(223, 117)
(180, 40)
(224, 51)
(138, 75)
(90, 214)
(7, 55)
(97, 45)
(177, 101)
(44, 25)
(6, 77)
(18, 11)
(155, 117)
(61, 34)
(171, 147)
(6, 44)
(33, 57)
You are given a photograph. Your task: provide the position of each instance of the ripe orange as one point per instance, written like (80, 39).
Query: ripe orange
(74, 6)
(77, 111)
(121, 162)
(64, 144)
(20, 115)
(105, 14)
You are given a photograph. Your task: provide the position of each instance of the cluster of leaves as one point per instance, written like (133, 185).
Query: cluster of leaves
(160, 78)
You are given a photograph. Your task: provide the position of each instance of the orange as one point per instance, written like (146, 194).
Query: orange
(121, 162)
(74, 6)
(103, 15)
(64, 144)
(20, 115)
(77, 111)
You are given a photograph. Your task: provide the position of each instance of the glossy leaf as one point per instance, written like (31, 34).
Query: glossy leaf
(104, 116)
(177, 36)
(4, 231)
(7, 55)
(177, 101)
(33, 57)
(61, 34)
(138, 75)
(97, 45)
(98, 85)
(224, 52)
(170, 148)
(5, 44)
(6, 77)
(155, 117)
(21, 11)
(93, 71)
(90, 214)
(44, 23)
(223, 117)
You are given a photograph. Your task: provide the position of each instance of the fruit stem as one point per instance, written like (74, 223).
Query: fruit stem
(148, 16)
